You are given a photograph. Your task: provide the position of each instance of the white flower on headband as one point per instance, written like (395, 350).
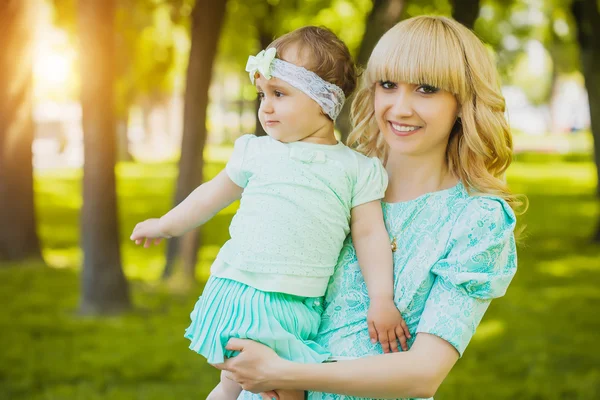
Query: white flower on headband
(329, 96)
(261, 63)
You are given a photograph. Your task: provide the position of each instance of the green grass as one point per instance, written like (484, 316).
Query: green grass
(538, 342)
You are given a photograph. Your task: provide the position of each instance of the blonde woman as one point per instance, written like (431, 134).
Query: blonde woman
(431, 109)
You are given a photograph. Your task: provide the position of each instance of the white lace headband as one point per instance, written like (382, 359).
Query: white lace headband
(329, 96)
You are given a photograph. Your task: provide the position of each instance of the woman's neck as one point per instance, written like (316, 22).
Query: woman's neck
(414, 176)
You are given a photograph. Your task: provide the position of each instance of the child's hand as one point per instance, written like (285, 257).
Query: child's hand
(387, 326)
(147, 231)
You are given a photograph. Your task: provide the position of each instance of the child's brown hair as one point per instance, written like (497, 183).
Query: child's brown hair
(323, 53)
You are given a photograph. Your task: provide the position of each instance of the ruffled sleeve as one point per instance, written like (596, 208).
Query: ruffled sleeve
(371, 182)
(235, 166)
(480, 264)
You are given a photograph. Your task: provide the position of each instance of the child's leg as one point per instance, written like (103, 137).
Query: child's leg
(225, 390)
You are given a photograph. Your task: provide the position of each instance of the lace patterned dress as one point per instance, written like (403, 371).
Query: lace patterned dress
(454, 254)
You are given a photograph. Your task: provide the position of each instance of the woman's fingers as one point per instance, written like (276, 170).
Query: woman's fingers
(235, 344)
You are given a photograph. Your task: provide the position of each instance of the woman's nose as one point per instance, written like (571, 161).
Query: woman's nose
(402, 103)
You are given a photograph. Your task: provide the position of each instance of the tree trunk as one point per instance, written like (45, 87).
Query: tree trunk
(207, 19)
(384, 15)
(123, 153)
(465, 12)
(18, 237)
(587, 15)
(104, 285)
(265, 37)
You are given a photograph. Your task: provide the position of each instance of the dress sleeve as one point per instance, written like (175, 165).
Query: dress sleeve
(235, 167)
(480, 264)
(371, 182)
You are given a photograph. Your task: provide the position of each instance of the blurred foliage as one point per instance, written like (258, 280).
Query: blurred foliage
(152, 38)
(538, 342)
(151, 46)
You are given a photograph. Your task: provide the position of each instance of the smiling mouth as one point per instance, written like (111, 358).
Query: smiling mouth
(403, 130)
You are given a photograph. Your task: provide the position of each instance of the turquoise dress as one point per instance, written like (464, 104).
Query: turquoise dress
(455, 253)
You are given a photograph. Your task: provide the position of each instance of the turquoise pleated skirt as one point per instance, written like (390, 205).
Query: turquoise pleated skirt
(229, 309)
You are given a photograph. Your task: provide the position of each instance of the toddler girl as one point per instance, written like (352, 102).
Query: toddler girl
(301, 193)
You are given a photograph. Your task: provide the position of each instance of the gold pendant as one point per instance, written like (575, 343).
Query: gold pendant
(394, 245)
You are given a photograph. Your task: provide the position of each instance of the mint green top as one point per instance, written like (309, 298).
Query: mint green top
(294, 214)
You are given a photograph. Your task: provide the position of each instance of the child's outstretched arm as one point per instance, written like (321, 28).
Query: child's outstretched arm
(374, 254)
(200, 206)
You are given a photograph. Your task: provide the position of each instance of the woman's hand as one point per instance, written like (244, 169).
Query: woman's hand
(255, 367)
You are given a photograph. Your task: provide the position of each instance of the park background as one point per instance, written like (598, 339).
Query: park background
(112, 111)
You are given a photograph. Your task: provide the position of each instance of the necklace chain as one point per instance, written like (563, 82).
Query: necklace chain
(394, 243)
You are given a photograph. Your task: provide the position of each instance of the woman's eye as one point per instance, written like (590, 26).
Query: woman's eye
(428, 89)
(387, 84)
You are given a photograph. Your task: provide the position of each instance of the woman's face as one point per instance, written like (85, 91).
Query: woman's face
(414, 119)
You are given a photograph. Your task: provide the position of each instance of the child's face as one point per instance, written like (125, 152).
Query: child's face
(286, 113)
(414, 119)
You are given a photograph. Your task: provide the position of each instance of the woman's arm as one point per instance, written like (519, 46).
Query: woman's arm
(374, 254)
(416, 373)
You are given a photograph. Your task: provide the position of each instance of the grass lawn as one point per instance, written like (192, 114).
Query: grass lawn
(538, 342)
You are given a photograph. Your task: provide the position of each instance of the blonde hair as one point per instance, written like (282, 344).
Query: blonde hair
(443, 53)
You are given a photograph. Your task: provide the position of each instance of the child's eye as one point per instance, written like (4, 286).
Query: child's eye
(260, 95)
(427, 89)
(278, 93)
(387, 84)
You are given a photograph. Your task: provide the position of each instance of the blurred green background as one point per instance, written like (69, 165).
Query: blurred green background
(112, 111)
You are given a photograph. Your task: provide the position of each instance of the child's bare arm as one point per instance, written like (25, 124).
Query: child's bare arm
(200, 206)
(374, 254)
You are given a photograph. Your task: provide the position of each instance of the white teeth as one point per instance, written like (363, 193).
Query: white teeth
(405, 128)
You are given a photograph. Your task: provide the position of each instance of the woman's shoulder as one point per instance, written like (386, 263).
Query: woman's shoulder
(478, 207)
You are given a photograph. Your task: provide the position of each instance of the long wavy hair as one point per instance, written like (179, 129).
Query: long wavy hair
(441, 52)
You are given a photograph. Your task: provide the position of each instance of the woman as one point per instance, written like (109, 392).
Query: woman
(431, 108)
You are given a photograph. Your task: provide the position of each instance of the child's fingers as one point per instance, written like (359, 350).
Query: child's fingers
(393, 342)
(270, 395)
(401, 338)
(157, 241)
(372, 332)
(405, 329)
(385, 341)
(147, 243)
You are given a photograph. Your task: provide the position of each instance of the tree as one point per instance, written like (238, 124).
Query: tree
(383, 15)
(587, 15)
(265, 37)
(207, 19)
(146, 54)
(466, 12)
(104, 287)
(18, 237)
